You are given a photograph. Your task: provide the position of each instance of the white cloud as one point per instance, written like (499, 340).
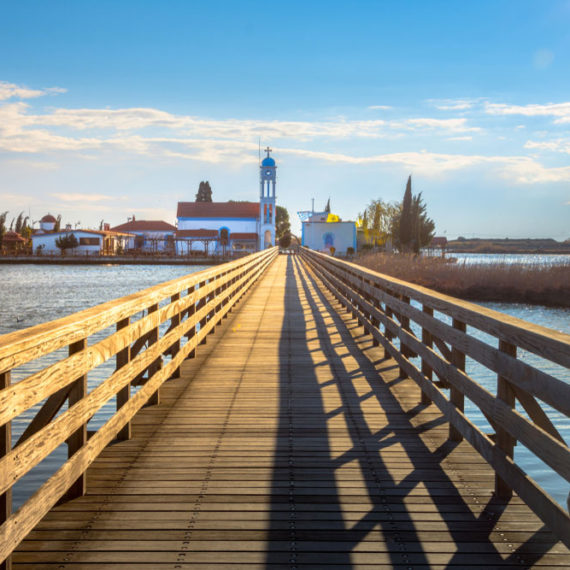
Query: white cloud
(559, 110)
(542, 58)
(451, 125)
(518, 169)
(380, 107)
(558, 145)
(11, 91)
(453, 104)
(466, 138)
(78, 197)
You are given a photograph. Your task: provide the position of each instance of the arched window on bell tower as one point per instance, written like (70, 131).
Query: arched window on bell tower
(267, 176)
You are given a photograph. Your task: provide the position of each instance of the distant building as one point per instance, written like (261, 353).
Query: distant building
(328, 236)
(213, 227)
(90, 242)
(150, 235)
(207, 225)
(47, 223)
(13, 242)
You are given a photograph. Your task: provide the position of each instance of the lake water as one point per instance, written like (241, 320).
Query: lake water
(32, 294)
(522, 258)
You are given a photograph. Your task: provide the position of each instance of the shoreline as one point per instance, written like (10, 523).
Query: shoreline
(111, 260)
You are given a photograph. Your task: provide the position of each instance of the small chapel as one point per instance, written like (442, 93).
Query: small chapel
(220, 227)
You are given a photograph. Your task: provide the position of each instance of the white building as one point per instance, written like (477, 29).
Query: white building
(90, 242)
(151, 235)
(230, 226)
(329, 237)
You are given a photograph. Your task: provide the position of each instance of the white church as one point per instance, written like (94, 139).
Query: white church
(218, 227)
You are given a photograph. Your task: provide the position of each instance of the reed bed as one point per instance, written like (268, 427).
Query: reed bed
(516, 283)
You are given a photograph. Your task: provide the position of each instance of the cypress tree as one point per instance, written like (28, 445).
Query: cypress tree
(204, 192)
(406, 221)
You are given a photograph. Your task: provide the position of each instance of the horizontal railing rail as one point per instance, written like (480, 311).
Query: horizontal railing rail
(148, 334)
(390, 310)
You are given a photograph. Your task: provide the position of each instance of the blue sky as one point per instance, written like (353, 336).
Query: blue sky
(109, 109)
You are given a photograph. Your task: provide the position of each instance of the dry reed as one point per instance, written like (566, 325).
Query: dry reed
(516, 283)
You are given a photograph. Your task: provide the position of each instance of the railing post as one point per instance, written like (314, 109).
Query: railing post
(191, 311)
(455, 396)
(375, 321)
(78, 439)
(5, 447)
(405, 325)
(154, 400)
(123, 395)
(175, 348)
(201, 304)
(504, 440)
(427, 342)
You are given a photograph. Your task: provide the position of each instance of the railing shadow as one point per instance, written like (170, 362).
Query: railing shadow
(311, 474)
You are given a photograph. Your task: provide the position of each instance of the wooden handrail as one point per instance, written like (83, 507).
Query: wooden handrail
(192, 306)
(376, 300)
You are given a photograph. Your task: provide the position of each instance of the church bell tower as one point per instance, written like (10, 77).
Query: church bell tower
(267, 201)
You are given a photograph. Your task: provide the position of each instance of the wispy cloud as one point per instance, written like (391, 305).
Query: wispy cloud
(458, 125)
(453, 104)
(380, 107)
(559, 110)
(557, 145)
(13, 91)
(78, 197)
(542, 58)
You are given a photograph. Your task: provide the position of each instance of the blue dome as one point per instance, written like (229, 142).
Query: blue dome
(268, 162)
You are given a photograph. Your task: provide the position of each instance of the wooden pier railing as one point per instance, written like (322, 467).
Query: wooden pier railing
(145, 337)
(431, 336)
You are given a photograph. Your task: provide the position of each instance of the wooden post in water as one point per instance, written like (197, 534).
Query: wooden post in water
(505, 441)
(123, 395)
(455, 396)
(5, 447)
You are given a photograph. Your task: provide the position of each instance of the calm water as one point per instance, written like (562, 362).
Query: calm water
(523, 258)
(32, 294)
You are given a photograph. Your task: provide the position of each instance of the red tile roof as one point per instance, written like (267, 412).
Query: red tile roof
(145, 225)
(438, 242)
(243, 236)
(13, 237)
(218, 210)
(48, 218)
(201, 233)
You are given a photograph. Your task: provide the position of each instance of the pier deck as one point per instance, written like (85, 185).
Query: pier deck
(290, 442)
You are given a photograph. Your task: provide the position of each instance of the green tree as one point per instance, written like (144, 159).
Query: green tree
(376, 220)
(328, 206)
(285, 240)
(282, 223)
(421, 227)
(67, 241)
(57, 225)
(2, 225)
(406, 221)
(20, 221)
(204, 192)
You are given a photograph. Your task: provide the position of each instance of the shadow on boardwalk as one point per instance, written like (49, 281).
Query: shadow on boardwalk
(344, 493)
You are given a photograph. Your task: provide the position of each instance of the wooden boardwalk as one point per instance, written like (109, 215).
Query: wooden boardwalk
(288, 442)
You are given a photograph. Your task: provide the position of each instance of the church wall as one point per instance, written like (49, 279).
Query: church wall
(242, 225)
(320, 236)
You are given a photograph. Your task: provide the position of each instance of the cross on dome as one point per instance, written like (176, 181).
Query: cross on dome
(268, 150)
